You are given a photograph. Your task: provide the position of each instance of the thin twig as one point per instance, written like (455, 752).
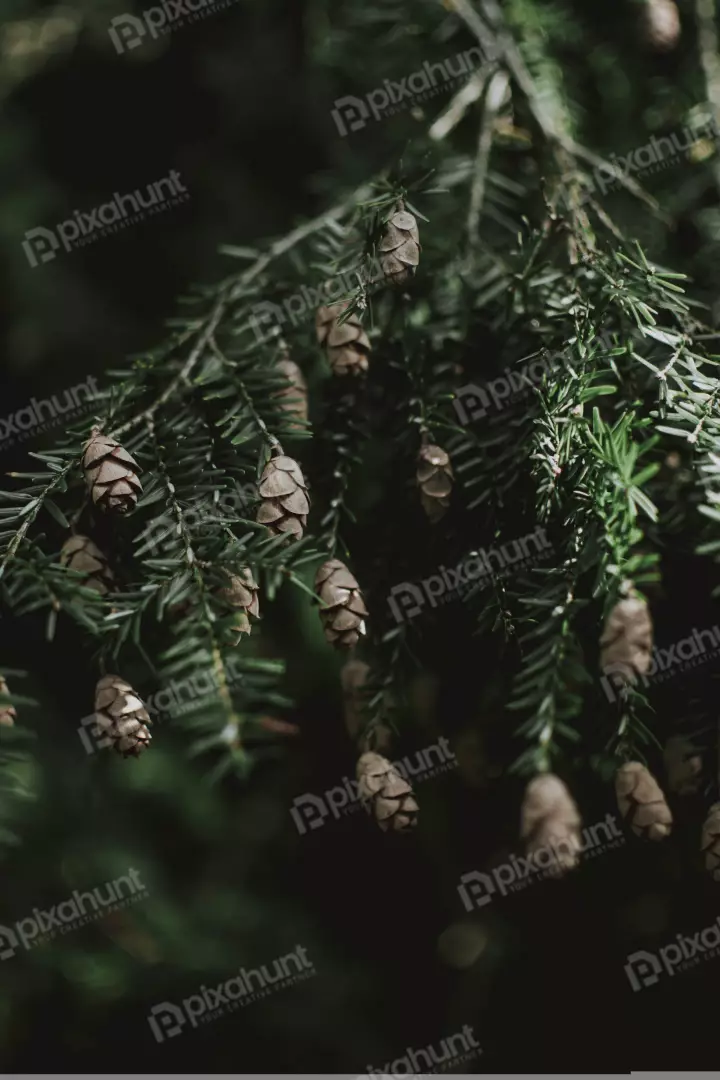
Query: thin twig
(494, 98)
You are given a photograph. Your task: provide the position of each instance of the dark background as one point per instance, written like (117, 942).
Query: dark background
(240, 104)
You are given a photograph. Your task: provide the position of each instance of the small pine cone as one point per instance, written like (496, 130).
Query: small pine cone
(400, 247)
(550, 821)
(641, 802)
(627, 641)
(661, 24)
(343, 608)
(385, 794)
(242, 594)
(293, 398)
(81, 554)
(121, 716)
(285, 504)
(111, 474)
(8, 713)
(435, 478)
(710, 843)
(683, 765)
(347, 345)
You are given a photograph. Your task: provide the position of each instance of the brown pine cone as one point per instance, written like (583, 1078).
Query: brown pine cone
(710, 843)
(111, 474)
(121, 716)
(400, 247)
(683, 765)
(435, 479)
(550, 821)
(641, 802)
(81, 554)
(347, 345)
(8, 713)
(385, 794)
(343, 608)
(285, 504)
(242, 594)
(661, 24)
(627, 641)
(293, 398)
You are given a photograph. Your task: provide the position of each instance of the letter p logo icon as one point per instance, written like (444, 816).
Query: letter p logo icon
(406, 601)
(126, 32)
(310, 809)
(8, 943)
(471, 403)
(642, 969)
(350, 114)
(40, 246)
(476, 890)
(166, 1020)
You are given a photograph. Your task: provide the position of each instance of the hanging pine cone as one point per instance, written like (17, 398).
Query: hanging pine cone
(385, 794)
(8, 713)
(641, 802)
(343, 608)
(435, 479)
(293, 398)
(111, 474)
(661, 24)
(627, 641)
(347, 345)
(550, 821)
(400, 247)
(285, 504)
(121, 716)
(683, 765)
(710, 843)
(242, 594)
(81, 554)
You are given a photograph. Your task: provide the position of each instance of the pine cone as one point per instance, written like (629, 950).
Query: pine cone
(661, 24)
(641, 802)
(121, 716)
(550, 821)
(111, 474)
(242, 594)
(683, 765)
(81, 554)
(627, 641)
(400, 247)
(710, 843)
(343, 606)
(285, 505)
(435, 478)
(293, 398)
(8, 713)
(385, 794)
(347, 345)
